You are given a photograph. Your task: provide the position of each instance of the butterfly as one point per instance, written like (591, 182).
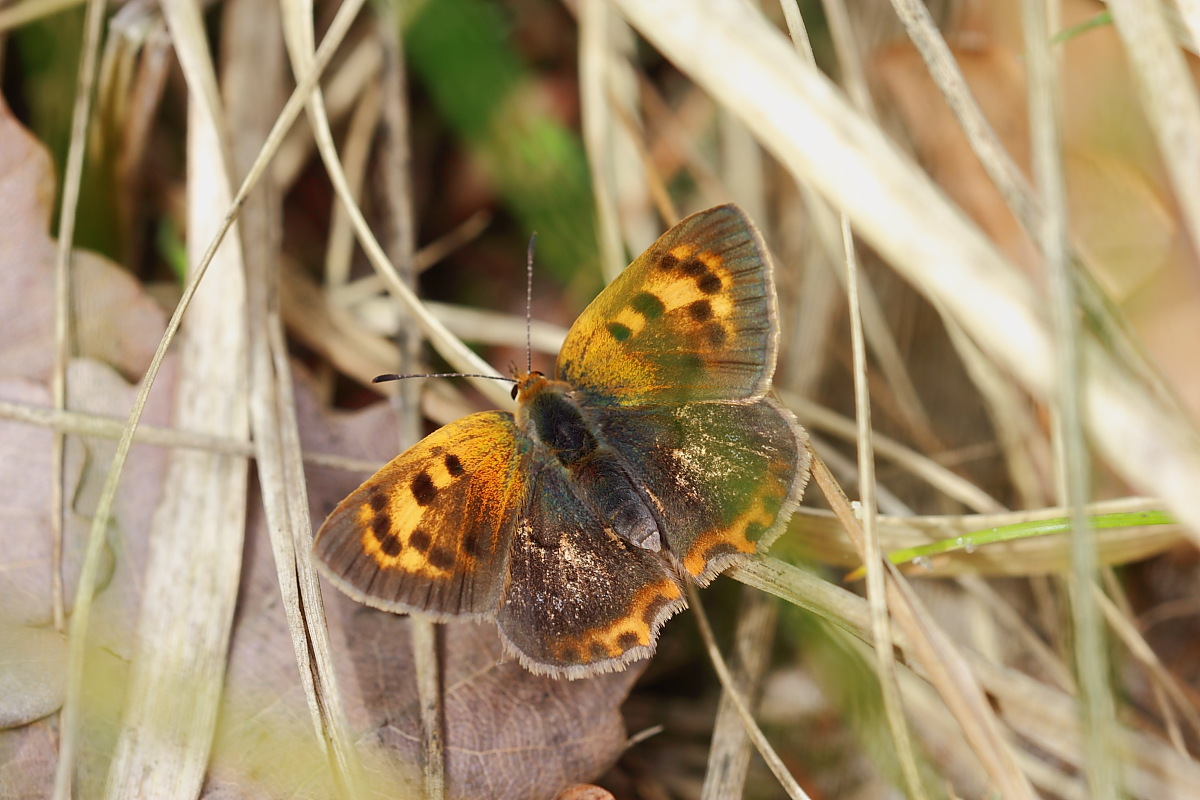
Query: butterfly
(654, 456)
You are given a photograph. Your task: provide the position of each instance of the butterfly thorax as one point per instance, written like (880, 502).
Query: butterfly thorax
(559, 429)
(548, 413)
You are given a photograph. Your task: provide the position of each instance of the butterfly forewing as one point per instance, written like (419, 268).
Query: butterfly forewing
(580, 599)
(432, 530)
(726, 477)
(693, 318)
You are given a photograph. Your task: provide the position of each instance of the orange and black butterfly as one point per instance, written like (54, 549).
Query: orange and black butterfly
(655, 455)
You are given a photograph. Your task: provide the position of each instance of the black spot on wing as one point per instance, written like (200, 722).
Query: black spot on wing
(650, 615)
(453, 465)
(441, 557)
(419, 540)
(377, 500)
(388, 543)
(472, 542)
(423, 490)
(708, 283)
(700, 311)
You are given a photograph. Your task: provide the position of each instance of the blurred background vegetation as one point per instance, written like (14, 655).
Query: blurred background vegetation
(493, 146)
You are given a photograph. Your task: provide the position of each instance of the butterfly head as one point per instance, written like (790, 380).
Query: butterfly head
(527, 384)
(531, 385)
(533, 390)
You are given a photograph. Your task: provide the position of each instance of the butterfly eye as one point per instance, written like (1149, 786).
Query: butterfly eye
(514, 390)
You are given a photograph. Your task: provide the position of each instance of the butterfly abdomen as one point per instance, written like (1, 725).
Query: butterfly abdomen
(602, 482)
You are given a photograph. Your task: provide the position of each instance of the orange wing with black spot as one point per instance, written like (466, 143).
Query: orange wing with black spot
(431, 531)
(691, 319)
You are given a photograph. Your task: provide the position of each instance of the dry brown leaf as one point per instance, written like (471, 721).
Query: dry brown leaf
(117, 326)
(26, 762)
(508, 733)
(32, 668)
(585, 791)
(29, 748)
(112, 313)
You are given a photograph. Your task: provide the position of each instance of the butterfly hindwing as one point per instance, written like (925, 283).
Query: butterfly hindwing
(725, 477)
(431, 531)
(580, 600)
(691, 319)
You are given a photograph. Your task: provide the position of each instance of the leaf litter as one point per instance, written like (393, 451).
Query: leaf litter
(508, 733)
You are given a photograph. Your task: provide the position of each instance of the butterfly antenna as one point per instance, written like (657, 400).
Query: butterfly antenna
(529, 303)
(395, 377)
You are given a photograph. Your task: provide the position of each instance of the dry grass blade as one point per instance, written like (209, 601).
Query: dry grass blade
(196, 541)
(364, 121)
(396, 185)
(256, 59)
(111, 428)
(596, 62)
(945, 72)
(71, 184)
(940, 659)
(429, 691)
(734, 693)
(869, 542)
(1169, 97)
(729, 753)
(1074, 474)
(62, 281)
(80, 618)
(452, 349)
